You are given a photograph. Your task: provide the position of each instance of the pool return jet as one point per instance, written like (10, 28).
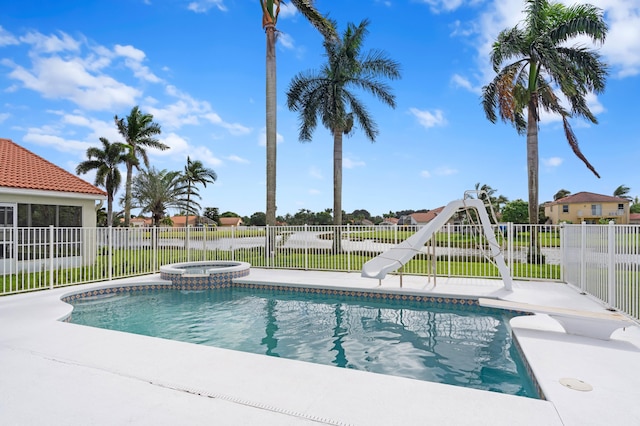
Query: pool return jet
(397, 256)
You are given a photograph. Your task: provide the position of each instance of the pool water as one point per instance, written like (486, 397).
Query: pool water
(466, 346)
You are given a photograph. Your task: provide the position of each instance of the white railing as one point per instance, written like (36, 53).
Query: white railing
(602, 260)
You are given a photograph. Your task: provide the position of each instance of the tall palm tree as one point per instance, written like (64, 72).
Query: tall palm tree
(327, 94)
(270, 12)
(542, 61)
(154, 191)
(623, 192)
(105, 162)
(195, 173)
(139, 131)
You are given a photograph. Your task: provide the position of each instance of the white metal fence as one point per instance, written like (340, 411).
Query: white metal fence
(602, 260)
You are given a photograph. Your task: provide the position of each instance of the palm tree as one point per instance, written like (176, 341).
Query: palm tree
(542, 61)
(561, 194)
(138, 131)
(622, 192)
(105, 162)
(270, 11)
(326, 94)
(156, 191)
(194, 173)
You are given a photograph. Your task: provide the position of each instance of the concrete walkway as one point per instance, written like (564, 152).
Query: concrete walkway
(57, 373)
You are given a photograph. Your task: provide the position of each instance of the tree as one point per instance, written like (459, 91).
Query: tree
(516, 211)
(212, 213)
(138, 131)
(257, 219)
(195, 173)
(156, 191)
(105, 162)
(327, 94)
(622, 192)
(270, 12)
(542, 62)
(488, 196)
(635, 206)
(561, 194)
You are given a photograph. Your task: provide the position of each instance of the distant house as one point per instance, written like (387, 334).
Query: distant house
(231, 221)
(589, 208)
(422, 218)
(634, 218)
(389, 221)
(140, 222)
(180, 221)
(35, 192)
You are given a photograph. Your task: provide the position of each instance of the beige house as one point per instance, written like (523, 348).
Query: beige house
(589, 208)
(231, 221)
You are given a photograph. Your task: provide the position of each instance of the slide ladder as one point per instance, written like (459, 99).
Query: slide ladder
(397, 256)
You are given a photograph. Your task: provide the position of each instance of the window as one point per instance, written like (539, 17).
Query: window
(565, 208)
(620, 206)
(596, 210)
(43, 215)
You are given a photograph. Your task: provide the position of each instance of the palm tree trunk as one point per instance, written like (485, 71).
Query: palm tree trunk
(109, 210)
(532, 175)
(127, 195)
(271, 125)
(337, 189)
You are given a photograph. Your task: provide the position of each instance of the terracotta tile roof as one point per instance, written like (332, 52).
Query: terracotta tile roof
(635, 217)
(22, 169)
(428, 216)
(230, 221)
(588, 197)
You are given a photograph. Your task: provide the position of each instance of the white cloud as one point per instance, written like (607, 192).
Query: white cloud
(348, 163)
(180, 147)
(57, 78)
(238, 159)
(315, 172)
(133, 60)
(203, 6)
(285, 40)
(459, 81)
(425, 174)
(4, 116)
(287, 10)
(552, 161)
(314, 192)
(6, 38)
(440, 171)
(44, 138)
(50, 44)
(429, 119)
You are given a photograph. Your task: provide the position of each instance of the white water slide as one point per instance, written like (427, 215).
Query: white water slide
(394, 258)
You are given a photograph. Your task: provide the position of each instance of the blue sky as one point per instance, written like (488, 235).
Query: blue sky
(67, 67)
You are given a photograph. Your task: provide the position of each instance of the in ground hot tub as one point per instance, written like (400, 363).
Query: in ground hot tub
(204, 275)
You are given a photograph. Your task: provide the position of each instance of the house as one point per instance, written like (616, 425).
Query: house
(231, 221)
(587, 207)
(35, 192)
(180, 221)
(634, 218)
(389, 221)
(140, 222)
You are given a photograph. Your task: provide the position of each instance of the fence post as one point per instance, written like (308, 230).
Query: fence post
(186, 243)
(233, 236)
(448, 250)
(51, 234)
(563, 255)
(583, 256)
(348, 253)
(154, 245)
(611, 267)
(306, 247)
(110, 253)
(267, 245)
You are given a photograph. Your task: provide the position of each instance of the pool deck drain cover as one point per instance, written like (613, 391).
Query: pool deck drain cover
(576, 384)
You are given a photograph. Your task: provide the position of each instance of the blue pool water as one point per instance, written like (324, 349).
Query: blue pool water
(464, 346)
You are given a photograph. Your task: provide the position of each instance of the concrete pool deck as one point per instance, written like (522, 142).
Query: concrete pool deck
(58, 373)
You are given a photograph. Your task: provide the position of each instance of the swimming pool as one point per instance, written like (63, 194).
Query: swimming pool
(466, 346)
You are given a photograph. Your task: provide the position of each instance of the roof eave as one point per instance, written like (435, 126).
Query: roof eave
(43, 193)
